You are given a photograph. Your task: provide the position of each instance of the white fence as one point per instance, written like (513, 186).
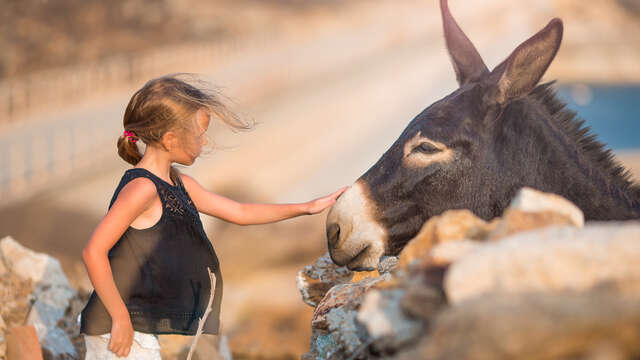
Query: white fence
(38, 150)
(31, 161)
(29, 94)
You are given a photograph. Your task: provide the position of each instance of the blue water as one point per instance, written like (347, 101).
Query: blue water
(612, 112)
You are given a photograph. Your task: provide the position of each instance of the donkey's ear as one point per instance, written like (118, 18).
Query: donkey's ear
(465, 58)
(521, 71)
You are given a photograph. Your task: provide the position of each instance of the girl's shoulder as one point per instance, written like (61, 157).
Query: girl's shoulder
(135, 185)
(138, 191)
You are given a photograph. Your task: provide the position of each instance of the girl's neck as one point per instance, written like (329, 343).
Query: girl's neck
(156, 161)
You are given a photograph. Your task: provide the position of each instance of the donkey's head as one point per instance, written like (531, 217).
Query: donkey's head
(445, 158)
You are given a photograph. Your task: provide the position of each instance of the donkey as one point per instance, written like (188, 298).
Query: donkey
(473, 149)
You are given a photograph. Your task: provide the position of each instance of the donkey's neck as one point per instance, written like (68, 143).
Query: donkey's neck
(555, 154)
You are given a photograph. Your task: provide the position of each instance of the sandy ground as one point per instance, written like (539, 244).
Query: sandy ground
(317, 135)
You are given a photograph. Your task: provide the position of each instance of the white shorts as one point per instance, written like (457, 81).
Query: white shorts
(145, 347)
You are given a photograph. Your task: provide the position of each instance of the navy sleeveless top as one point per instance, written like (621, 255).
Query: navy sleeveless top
(161, 271)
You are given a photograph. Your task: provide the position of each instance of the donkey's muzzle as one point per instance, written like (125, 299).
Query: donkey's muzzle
(354, 237)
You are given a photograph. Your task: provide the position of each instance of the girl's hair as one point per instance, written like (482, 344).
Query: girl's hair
(170, 103)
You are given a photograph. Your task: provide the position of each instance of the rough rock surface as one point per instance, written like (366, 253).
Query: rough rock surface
(14, 303)
(35, 291)
(338, 296)
(535, 326)
(534, 201)
(387, 324)
(334, 326)
(551, 259)
(530, 210)
(315, 280)
(452, 225)
(449, 252)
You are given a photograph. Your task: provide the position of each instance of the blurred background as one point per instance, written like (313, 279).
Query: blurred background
(332, 84)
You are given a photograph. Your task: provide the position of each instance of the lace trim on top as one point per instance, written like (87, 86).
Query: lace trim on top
(173, 197)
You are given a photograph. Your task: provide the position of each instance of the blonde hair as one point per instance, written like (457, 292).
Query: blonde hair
(170, 103)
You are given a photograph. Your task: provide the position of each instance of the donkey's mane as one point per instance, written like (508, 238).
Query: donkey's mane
(574, 127)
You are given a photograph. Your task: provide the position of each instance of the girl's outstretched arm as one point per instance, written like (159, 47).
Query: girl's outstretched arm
(134, 198)
(247, 214)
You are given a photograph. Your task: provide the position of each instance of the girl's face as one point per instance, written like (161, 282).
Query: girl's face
(196, 138)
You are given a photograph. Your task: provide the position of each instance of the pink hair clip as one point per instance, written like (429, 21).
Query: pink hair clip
(130, 135)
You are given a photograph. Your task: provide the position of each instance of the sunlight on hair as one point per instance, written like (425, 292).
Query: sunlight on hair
(170, 103)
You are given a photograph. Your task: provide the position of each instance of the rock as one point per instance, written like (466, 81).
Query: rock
(341, 340)
(551, 259)
(423, 298)
(530, 209)
(315, 280)
(54, 341)
(42, 269)
(534, 201)
(452, 225)
(449, 252)
(15, 295)
(336, 293)
(51, 294)
(335, 333)
(323, 347)
(535, 326)
(361, 275)
(3, 267)
(344, 330)
(387, 264)
(384, 320)
(339, 296)
(514, 221)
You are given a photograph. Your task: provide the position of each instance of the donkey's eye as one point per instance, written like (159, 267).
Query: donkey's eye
(426, 148)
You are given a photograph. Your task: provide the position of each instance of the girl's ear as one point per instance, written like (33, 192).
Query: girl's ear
(169, 140)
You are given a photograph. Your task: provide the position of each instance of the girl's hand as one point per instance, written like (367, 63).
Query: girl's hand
(317, 205)
(121, 336)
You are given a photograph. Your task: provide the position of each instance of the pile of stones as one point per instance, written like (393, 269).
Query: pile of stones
(36, 298)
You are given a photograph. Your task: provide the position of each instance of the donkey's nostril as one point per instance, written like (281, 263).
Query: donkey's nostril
(333, 234)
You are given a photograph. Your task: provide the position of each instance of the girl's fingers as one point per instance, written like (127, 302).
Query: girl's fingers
(122, 352)
(119, 348)
(335, 195)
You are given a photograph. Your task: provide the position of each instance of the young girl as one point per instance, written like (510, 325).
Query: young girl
(148, 257)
